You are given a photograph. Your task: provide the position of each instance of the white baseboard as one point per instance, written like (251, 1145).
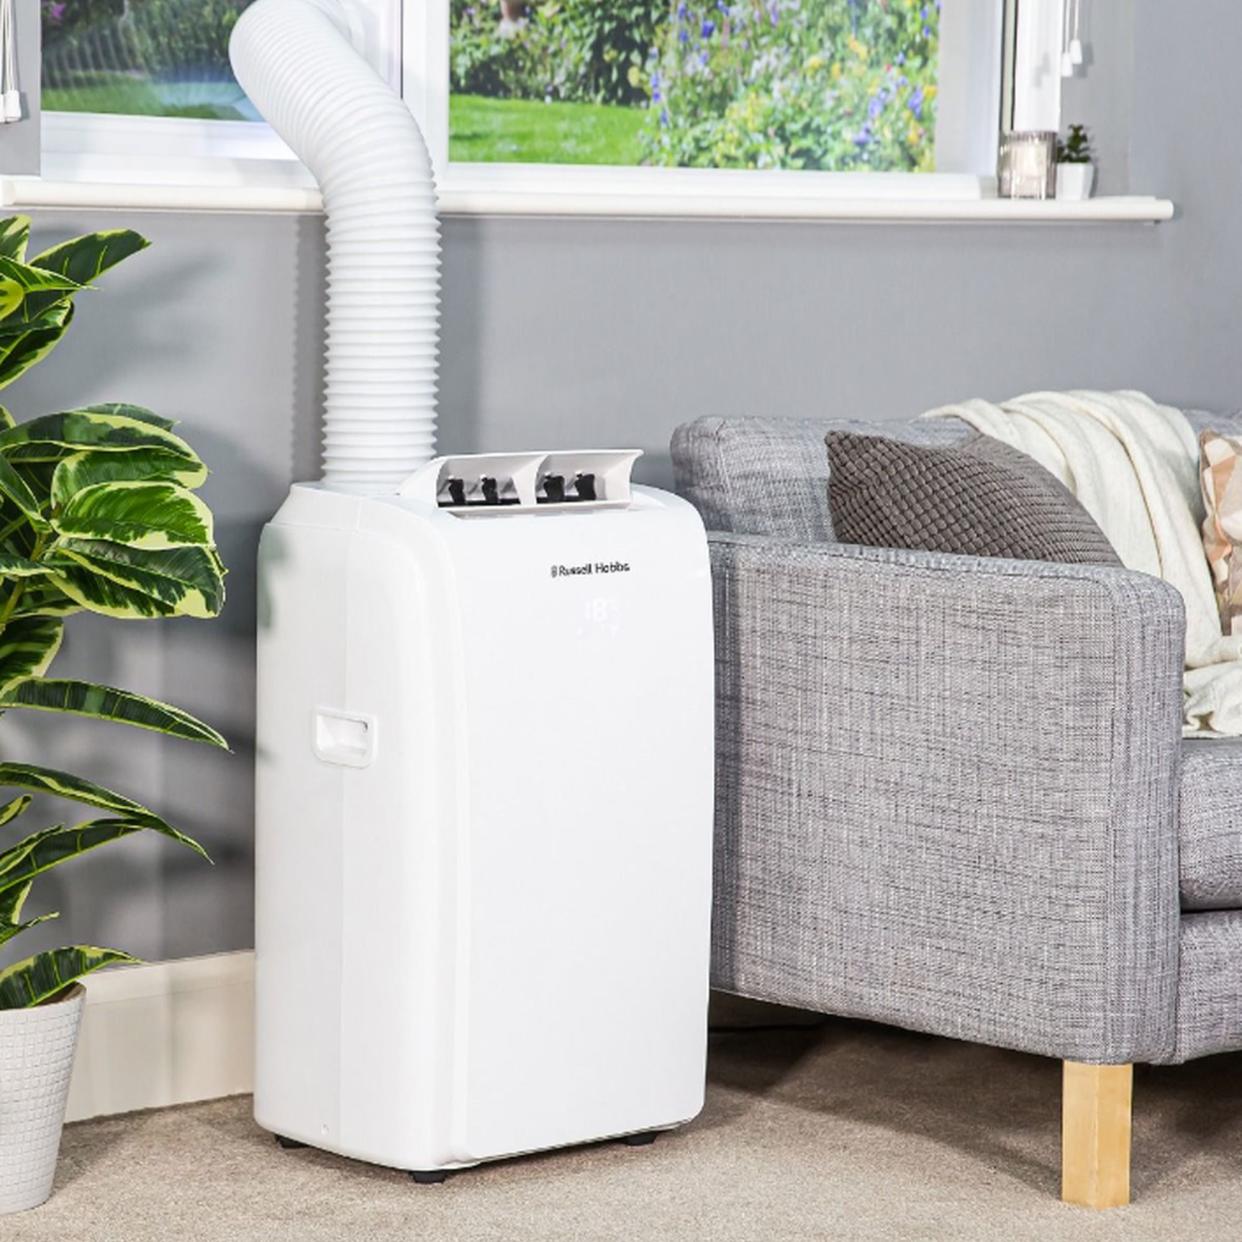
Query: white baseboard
(165, 1033)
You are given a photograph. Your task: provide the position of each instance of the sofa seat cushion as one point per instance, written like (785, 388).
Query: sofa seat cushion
(1210, 830)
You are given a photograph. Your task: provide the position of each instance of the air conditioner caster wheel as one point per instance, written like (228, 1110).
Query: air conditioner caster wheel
(287, 1143)
(432, 1178)
(645, 1139)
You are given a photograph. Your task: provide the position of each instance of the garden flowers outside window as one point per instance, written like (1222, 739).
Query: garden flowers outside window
(829, 85)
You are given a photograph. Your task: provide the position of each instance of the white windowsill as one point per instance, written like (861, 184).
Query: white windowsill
(761, 207)
(22, 192)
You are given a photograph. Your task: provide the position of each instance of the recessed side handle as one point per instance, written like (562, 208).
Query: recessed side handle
(346, 738)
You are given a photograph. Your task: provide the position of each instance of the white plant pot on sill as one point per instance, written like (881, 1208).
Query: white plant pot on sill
(36, 1058)
(1074, 181)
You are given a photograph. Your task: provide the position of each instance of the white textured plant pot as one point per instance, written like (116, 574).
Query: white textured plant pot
(1074, 181)
(36, 1059)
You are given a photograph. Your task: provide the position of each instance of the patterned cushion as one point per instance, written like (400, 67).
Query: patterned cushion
(977, 498)
(1220, 464)
(1210, 828)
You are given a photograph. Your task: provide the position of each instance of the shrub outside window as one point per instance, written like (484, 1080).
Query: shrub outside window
(829, 85)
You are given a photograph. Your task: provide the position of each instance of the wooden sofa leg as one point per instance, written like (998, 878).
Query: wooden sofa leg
(1095, 1134)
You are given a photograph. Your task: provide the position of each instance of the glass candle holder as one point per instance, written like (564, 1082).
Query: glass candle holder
(1027, 164)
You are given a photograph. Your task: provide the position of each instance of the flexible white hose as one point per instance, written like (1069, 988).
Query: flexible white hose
(296, 62)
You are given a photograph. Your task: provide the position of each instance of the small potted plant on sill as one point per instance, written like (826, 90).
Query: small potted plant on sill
(1075, 167)
(97, 514)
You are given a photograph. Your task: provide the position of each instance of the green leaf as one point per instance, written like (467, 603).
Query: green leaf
(9, 930)
(110, 428)
(20, 281)
(79, 471)
(14, 234)
(37, 475)
(31, 298)
(186, 582)
(85, 588)
(77, 789)
(9, 812)
(12, 900)
(20, 353)
(84, 258)
(13, 566)
(46, 599)
(15, 855)
(140, 412)
(32, 278)
(27, 647)
(45, 975)
(84, 698)
(42, 851)
(140, 515)
(51, 314)
(14, 487)
(47, 313)
(6, 419)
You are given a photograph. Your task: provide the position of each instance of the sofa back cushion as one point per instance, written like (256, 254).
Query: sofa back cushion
(769, 476)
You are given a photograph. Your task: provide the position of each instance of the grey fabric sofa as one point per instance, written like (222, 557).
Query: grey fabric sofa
(953, 795)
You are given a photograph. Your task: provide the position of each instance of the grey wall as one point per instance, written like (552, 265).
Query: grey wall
(562, 332)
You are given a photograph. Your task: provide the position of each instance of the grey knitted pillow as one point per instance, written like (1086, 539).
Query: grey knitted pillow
(979, 497)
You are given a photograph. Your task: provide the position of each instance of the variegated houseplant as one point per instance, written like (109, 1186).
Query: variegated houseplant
(98, 514)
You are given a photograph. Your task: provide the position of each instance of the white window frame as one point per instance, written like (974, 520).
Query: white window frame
(408, 42)
(156, 150)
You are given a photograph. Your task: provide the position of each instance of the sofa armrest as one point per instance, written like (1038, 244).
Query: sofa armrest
(946, 793)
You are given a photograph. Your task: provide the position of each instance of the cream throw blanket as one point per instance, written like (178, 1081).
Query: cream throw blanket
(1134, 465)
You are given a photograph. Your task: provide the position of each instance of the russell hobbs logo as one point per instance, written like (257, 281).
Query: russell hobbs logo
(588, 568)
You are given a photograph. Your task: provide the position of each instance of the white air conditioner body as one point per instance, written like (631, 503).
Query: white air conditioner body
(484, 813)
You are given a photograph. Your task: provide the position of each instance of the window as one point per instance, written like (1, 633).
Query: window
(631, 98)
(720, 106)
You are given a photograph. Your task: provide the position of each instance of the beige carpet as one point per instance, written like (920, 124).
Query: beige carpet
(848, 1131)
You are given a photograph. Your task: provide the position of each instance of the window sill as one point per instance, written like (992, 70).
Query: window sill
(760, 207)
(23, 192)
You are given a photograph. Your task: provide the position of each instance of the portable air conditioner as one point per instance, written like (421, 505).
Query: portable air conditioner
(484, 812)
